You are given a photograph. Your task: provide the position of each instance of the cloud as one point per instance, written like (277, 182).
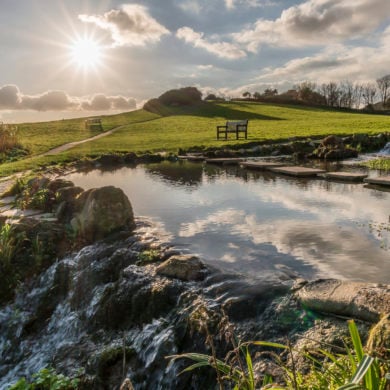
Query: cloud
(191, 6)
(131, 25)
(48, 101)
(9, 96)
(317, 22)
(101, 102)
(221, 49)
(335, 63)
(231, 4)
(12, 99)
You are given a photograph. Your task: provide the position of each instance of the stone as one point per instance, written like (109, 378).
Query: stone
(56, 184)
(365, 301)
(102, 211)
(183, 267)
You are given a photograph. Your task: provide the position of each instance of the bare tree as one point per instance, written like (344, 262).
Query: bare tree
(357, 95)
(369, 93)
(384, 88)
(346, 94)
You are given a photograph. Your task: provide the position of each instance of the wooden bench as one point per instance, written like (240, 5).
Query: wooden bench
(93, 122)
(235, 127)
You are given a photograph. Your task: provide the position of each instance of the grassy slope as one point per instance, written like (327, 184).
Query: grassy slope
(266, 122)
(41, 137)
(186, 127)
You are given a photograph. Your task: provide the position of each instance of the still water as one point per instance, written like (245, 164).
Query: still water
(260, 225)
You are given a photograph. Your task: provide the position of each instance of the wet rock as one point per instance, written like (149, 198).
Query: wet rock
(332, 148)
(66, 199)
(68, 193)
(102, 211)
(110, 159)
(364, 301)
(56, 184)
(184, 267)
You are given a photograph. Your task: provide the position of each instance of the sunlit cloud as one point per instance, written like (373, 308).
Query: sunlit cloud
(231, 4)
(316, 22)
(221, 49)
(11, 98)
(131, 25)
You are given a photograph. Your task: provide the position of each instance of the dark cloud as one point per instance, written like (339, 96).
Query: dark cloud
(48, 101)
(101, 102)
(11, 98)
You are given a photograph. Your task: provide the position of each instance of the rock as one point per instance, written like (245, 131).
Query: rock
(184, 267)
(365, 301)
(102, 211)
(68, 194)
(56, 184)
(332, 148)
(110, 159)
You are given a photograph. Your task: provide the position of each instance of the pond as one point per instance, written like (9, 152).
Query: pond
(260, 224)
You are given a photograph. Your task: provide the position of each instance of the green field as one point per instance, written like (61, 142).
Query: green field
(187, 127)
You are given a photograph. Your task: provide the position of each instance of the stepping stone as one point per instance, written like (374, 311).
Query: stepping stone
(298, 171)
(192, 158)
(225, 161)
(345, 176)
(262, 165)
(381, 180)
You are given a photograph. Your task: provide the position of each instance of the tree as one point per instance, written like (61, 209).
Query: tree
(369, 93)
(269, 92)
(384, 88)
(247, 95)
(346, 94)
(257, 95)
(210, 96)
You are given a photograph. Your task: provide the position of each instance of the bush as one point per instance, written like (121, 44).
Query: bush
(174, 97)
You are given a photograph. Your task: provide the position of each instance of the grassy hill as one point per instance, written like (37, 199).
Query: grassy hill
(184, 127)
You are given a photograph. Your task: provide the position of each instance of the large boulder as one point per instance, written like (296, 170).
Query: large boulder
(183, 267)
(101, 211)
(365, 301)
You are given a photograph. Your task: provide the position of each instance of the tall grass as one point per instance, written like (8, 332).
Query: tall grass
(357, 367)
(8, 138)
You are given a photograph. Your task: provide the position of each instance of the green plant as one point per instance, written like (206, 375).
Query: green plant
(350, 370)
(148, 256)
(7, 246)
(47, 379)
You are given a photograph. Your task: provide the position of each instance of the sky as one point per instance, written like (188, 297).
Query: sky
(73, 58)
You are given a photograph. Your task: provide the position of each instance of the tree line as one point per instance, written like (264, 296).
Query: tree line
(345, 94)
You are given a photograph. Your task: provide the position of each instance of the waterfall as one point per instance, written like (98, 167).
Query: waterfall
(385, 151)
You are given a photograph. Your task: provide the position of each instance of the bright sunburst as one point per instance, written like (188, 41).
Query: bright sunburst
(86, 52)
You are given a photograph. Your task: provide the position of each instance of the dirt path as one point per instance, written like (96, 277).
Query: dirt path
(63, 148)
(6, 182)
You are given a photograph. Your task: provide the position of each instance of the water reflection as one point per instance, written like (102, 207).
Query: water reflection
(261, 224)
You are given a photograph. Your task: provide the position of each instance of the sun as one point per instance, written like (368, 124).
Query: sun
(86, 53)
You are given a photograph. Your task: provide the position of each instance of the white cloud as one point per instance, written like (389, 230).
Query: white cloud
(11, 98)
(191, 6)
(221, 49)
(334, 63)
(129, 26)
(231, 4)
(317, 22)
(205, 67)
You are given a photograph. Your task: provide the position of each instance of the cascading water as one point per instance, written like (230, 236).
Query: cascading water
(385, 151)
(100, 314)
